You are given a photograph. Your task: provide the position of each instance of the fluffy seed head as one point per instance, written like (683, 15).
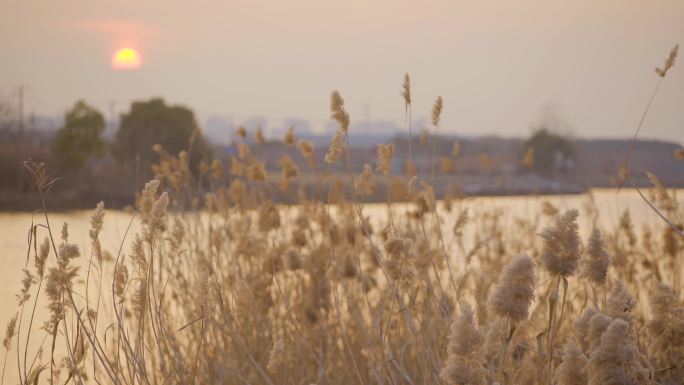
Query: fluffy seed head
(512, 295)
(464, 364)
(665, 330)
(620, 303)
(395, 246)
(42, 257)
(336, 148)
(573, 369)
(425, 200)
(96, 221)
(257, 172)
(305, 148)
(561, 253)
(437, 111)
(581, 327)
(399, 263)
(616, 361)
(364, 182)
(596, 265)
(288, 167)
(385, 152)
(241, 132)
(65, 231)
(148, 197)
(597, 326)
(139, 299)
(121, 279)
(289, 138)
(217, 171)
(406, 89)
(464, 337)
(669, 62)
(9, 332)
(26, 284)
(155, 219)
(338, 112)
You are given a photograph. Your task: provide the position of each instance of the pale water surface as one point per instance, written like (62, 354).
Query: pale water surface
(14, 226)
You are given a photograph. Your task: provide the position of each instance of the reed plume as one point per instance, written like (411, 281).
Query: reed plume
(616, 361)
(561, 252)
(595, 267)
(9, 332)
(7, 342)
(665, 331)
(385, 152)
(620, 303)
(573, 368)
(338, 113)
(669, 62)
(289, 138)
(241, 132)
(581, 327)
(437, 111)
(513, 294)
(337, 147)
(406, 90)
(364, 182)
(598, 324)
(464, 363)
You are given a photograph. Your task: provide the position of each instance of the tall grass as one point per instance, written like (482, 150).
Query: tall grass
(223, 286)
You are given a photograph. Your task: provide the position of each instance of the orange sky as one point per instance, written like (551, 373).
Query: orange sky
(501, 66)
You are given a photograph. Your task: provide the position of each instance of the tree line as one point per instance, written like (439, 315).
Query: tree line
(147, 123)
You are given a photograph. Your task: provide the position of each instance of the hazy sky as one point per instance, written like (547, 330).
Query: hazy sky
(501, 66)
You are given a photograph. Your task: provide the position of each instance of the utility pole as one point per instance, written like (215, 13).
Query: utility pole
(112, 116)
(21, 108)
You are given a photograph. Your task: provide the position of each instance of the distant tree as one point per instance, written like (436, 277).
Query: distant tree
(154, 122)
(81, 136)
(552, 153)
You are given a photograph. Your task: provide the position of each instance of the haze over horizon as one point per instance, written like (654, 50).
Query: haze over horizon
(502, 67)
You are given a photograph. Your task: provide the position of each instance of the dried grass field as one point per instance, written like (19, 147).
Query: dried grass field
(207, 280)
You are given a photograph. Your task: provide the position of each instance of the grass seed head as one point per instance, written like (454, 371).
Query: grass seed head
(561, 252)
(513, 294)
(669, 62)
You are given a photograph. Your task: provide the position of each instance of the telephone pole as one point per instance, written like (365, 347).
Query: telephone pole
(21, 108)
(112, 116)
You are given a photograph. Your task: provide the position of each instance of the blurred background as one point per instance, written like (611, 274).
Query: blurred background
(89, 88)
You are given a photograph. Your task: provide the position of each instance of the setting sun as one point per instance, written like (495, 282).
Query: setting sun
(126, 59)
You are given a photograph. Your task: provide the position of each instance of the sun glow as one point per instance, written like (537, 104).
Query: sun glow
(126, 59)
